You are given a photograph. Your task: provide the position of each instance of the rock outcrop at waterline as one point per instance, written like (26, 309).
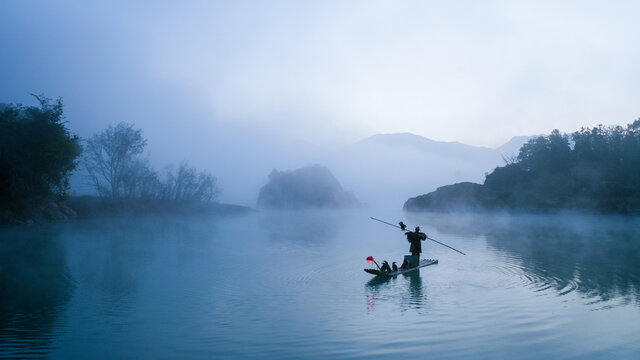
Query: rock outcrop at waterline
(308, 187)
(48, 211)
(461, 196)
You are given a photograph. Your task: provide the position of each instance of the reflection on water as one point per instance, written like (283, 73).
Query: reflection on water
(407, 287)
(309, 228)
(376, 282)
(35, 285)
(290, 285)
(597, 256)
(416, 296)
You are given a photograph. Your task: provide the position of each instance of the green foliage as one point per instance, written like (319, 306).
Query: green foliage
(37, 154)
(595, 169)
(599, 169)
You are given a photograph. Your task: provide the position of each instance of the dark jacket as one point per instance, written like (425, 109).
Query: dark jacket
(415, 239)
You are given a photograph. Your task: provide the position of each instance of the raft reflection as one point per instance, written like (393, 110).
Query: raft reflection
(407, 287)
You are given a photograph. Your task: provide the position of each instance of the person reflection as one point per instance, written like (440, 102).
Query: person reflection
(416, 296)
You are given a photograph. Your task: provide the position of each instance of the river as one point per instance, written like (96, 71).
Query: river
(290, 285)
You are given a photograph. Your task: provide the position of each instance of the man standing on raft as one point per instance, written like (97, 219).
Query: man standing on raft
(415, 238)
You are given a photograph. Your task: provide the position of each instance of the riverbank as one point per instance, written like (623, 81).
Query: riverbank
(472, 197)
(92, 206)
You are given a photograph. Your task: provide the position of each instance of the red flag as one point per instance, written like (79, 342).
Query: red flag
(370, 259)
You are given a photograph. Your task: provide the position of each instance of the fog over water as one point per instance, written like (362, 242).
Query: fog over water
(279, 284)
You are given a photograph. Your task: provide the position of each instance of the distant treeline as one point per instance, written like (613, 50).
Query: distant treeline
(38, 153)
(595, 169)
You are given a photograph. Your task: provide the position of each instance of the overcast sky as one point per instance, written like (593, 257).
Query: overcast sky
(207, 79)
(478, 72)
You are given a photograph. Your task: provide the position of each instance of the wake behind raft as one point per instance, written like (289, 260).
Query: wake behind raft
(411, 262)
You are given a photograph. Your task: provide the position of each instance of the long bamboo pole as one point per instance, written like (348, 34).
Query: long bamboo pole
(434, 240)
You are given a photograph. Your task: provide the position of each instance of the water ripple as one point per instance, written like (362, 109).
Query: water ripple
(517, 272)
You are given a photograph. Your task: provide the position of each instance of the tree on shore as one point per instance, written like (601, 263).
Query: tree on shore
(187, 184)
(598, 169)
(118, 170)
(37, 154)
(112, 159)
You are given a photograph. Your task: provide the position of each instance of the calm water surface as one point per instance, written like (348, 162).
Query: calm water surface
(290, 285)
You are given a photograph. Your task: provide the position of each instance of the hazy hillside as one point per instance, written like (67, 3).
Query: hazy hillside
(388, 168)
(308, 187)
(383, 169)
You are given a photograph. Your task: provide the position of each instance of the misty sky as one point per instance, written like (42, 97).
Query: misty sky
(199, 76)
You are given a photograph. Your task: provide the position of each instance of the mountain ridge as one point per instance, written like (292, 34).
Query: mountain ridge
(411, 139)
(386, 168)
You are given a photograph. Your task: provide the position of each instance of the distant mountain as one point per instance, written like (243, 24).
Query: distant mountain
(422, 144)
(389, 168)
(308, 187)
(383, 169)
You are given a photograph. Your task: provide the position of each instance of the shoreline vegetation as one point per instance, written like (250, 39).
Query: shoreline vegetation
(593, 170)
(92, 206)
(88, 206)
(38, 153)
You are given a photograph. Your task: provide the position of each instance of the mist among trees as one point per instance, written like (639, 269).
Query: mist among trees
(595, 169)
(117, 168)
(38, 153)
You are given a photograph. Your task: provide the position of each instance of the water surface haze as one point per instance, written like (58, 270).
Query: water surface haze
(289, 284)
